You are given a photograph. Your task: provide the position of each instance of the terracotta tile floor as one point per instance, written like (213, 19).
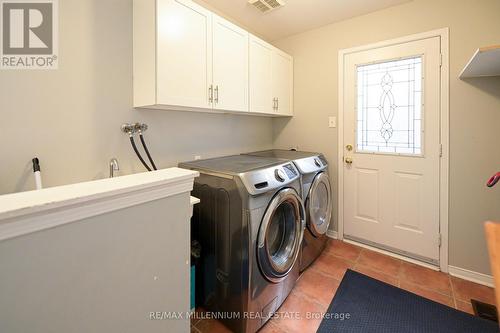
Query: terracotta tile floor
(317, 286)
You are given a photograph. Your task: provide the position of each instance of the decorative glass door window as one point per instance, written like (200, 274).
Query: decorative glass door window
(389, 107)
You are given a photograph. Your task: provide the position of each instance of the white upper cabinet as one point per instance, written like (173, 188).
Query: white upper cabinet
(283, 83)
(187, 58)
(261, 68)
(184, 71)
(230, 66)
(271, 79)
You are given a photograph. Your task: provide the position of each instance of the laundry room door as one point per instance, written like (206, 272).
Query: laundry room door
(391, 169)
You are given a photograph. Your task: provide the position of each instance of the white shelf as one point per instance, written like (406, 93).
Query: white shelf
(485, 62)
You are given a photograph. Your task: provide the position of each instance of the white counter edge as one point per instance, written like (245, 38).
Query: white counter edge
(26, 212)
(194, 201)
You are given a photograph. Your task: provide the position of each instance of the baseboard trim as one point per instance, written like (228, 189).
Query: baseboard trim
(391, 254)
(462, 273)
(332, 234)
(480, 278)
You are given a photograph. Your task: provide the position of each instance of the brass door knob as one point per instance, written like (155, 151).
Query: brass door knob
(348, 160)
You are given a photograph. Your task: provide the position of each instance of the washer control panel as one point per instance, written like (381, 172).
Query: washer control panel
(290, 170)
(261, 181)
(280, 175)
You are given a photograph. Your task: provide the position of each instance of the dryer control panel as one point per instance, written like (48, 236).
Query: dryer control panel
(312, 164)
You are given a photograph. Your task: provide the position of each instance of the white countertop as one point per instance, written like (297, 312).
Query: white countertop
(16, 204)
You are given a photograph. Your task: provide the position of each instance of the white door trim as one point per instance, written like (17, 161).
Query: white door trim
(444, 132)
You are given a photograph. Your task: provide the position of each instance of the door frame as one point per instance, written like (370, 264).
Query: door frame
(444, 132)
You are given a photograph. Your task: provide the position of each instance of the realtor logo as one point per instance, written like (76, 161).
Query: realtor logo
(29, 34)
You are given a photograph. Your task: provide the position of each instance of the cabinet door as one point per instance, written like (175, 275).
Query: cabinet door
(184, 54)
(283, 83)
(260, 72)
(230, 66)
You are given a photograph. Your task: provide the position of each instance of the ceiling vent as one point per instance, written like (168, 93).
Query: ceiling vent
(266, 6)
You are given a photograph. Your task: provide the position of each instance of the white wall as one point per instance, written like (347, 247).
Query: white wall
(70, 118)
(475, 104)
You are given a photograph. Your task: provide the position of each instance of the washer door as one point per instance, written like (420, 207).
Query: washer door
(280, 235)
(319, 205)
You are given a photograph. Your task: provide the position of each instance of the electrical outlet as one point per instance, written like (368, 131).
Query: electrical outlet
(197, 157)
(332, 122)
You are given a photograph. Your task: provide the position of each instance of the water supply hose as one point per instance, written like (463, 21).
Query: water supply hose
(147, 151)
(132, 141)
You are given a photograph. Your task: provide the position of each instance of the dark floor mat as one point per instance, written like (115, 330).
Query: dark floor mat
(363, 304)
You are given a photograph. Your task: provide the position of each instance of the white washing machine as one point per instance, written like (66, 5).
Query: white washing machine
(250, 224)
(316, 194)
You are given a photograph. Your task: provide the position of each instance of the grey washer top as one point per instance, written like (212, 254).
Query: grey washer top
(235, 164)
(258, 174)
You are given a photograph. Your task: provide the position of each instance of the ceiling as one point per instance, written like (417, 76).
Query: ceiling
(297, 15)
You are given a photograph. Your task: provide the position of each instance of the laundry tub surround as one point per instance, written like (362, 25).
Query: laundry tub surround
(250, 226)
(97, 255)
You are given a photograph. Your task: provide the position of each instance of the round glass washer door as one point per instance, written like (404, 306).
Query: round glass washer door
(319, 205)
(280, 235)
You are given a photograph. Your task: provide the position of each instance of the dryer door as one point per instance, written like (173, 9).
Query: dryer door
(319, 205)
(280, 235)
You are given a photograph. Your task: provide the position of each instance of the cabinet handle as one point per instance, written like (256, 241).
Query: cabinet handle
(277, 104)
(211, 94)
(216, 94)
(274, 103)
